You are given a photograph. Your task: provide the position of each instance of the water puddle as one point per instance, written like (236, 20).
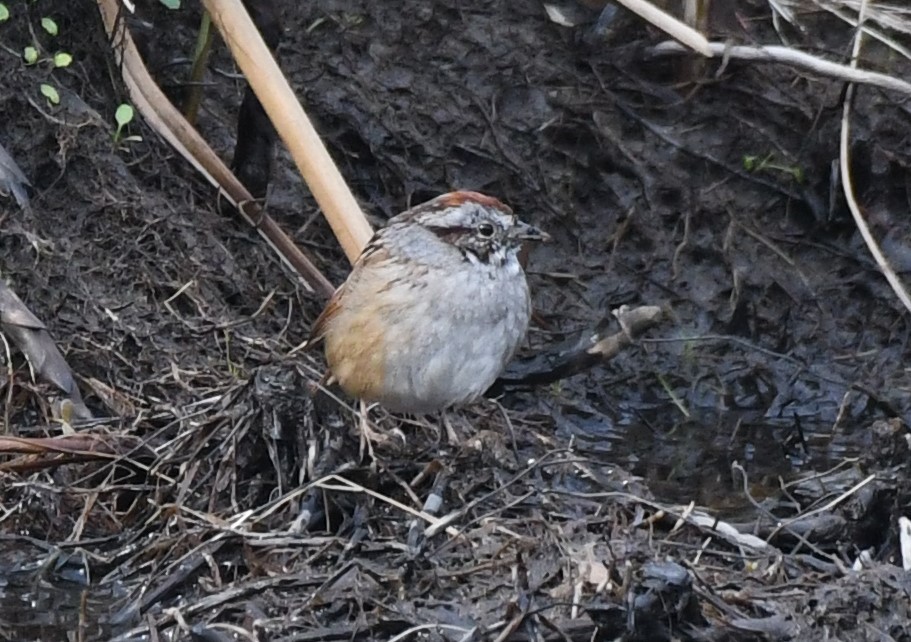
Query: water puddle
(693, 459)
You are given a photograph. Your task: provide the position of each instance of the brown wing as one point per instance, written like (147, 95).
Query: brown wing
(320, 326)
(374, 253)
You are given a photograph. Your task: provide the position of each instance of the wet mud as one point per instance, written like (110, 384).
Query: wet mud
(717, 480)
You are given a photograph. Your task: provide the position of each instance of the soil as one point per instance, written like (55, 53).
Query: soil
(774, 397)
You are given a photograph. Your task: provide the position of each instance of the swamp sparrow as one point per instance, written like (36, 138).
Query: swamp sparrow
(434, 307)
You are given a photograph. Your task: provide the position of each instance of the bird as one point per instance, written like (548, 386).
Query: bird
(434, 308)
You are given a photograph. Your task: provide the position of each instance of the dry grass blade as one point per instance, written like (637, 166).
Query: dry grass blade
(36, 344)
(167, 120)
(12, 179)
(334, 482)
(847, 184)
(317, 167)
(879, 18)
(789, 56)
(904, 536)
(48, 452)
(828, 506)
(670, 25)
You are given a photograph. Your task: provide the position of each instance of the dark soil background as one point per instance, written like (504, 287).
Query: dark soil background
(701, 187)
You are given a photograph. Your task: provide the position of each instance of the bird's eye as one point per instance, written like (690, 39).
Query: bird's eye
(485, 230)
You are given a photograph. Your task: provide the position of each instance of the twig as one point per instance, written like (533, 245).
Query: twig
(881, 18)
(822, 509)
(669, 25)
(582, 353)
(436, 626)
(348, 486)
(847, 184)
(787, 55)
(312, 159)
(167, 120)
(904, 539)
(65, 448)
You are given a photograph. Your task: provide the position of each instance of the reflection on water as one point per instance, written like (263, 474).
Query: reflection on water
(684, 460)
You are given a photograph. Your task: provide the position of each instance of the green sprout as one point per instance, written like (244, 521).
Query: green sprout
(767, 163)
(124, 116)
(4, 13)
(34, 54)
(49, 25)
(171, 4)
(49, 92)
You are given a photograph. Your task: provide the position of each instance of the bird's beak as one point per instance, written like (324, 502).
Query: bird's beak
(525, 232)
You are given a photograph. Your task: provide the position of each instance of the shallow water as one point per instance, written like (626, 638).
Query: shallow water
(692, 459)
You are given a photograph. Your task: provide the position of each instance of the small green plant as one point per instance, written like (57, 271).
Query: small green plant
(768, 163)
(59, 59)
(62, 59)
(123, 117)
(49, 25)
(171, 4)
(50, 92)
(4, 13)
(32, 53)
(35, 54)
